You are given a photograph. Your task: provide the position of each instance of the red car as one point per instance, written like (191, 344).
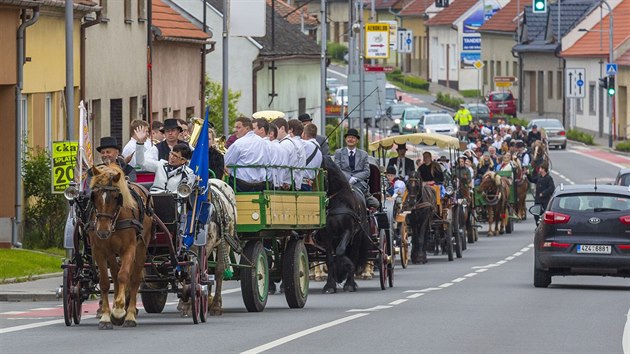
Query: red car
(501, 102)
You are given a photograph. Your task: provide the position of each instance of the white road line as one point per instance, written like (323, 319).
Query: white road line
(44, 309)
(445, 285)
(625, 339)
(502, 262)
(470, 275)
(486, 266)
(415, 296)
(562, 176)
(525, 249)
(229, 291)
(425, 290)
(481, 270)
(517, 254)
(458, 280)
(338, 73)
(371, 309)
(303, 333)
(509, 258)
(35, 325)
(13, 312)
(398, 302)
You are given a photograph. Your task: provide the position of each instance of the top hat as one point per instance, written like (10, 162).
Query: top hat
(402, 146)
(352, 132)
(108, 142)
(305, 117)
(171, 123)
(391, 170)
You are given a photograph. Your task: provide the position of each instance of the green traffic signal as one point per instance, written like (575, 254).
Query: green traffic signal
(611, 86)
(539, 6)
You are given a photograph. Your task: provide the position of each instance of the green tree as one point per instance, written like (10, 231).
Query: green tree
(45, 212)
(214, 100)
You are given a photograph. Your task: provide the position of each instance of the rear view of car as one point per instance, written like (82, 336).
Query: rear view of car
(553, 130)
(501, 102)
(585, 231)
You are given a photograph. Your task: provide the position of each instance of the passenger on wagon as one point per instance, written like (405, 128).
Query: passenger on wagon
(313, 154)
(110, 153)
(168, 174)
(396, 185)
(403, 165)
(430, 171)
(171, 132)
(247, 150)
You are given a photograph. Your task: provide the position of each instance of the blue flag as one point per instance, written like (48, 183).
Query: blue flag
(199, 164)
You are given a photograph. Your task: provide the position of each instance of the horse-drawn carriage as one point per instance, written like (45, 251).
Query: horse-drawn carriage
(427, 215)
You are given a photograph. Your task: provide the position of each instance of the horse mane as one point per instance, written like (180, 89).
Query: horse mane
(488, 180)
(113, 176)
(337, 181)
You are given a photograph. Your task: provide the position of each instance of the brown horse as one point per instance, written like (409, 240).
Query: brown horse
(540, 156)
(521, 186)
(121, 227)
(496, 193)
(421, 201)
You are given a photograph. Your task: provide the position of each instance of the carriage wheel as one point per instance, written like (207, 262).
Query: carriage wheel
(381, 259)
(462, 227)
(404, 245)
(203, 284)
(295, 274)
(254, 276)
(68, 303)
(509, 226)
(151, 301)
(391, 260)
(195, 292)
(448, 240)
(457, 244)
(470, 229)
(457, 241)
(77, 304)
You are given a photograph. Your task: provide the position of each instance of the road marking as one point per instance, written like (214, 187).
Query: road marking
(481, 270)
(398, 302)
(470, 275)
(525, 249)
(486, 266)
(415, 296)
(338, 73)
(303, 333)
(587, 154)
(509, 258)
(35, 325)
(458, 280)
(502, 262)
(229, 291)
(562, 176)
(625, 340)
(371, 309)
(445, 285)
(13, 312)
(44, 309)
(517, 254)
(425, 290)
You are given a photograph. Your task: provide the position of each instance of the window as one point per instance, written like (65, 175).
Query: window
(133, 108)
(336, 31)
(498, 68)
(559, 83)
(48, 119)
(346, 29)
(514, 69)
(24, 119)
(550, 84)
(301, 105)
(485, 72)
(165, 113)
(442, 56)
(128, 11)
(142, 15)
(177, 114)
(579, 102)
(491, 78)
(453, 56)
(115, 118)
(190, 112)
(96, 117)
(416, 47)
(591, 99)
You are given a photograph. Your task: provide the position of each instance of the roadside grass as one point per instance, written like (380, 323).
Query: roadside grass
(23, 264)
(408, 89)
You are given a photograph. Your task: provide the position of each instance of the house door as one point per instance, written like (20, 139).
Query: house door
(435, 66)
(115, 119)
(623, 125)
(531, 78)
(540, 84)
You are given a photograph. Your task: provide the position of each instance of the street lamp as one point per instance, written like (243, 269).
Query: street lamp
(610, 60)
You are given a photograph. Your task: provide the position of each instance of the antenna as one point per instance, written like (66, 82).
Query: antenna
(596, 184)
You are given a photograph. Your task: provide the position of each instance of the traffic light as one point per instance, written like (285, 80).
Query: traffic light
(603, 82)
(539, 6)
(611, 86)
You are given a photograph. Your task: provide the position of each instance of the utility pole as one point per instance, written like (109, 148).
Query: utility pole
(323, 39)
(226, 110)
(361, 74)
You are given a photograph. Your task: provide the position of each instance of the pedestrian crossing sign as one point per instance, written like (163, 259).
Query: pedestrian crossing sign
(611, 69)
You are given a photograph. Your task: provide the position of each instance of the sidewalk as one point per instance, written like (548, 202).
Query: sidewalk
(42, 289)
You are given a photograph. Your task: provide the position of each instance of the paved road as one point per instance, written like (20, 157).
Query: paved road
(482, 303)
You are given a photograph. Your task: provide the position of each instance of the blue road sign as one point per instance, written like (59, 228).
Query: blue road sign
(611, 69)
(580, 83)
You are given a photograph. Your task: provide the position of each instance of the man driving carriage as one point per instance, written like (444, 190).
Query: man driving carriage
(403, 166)
(430, 171)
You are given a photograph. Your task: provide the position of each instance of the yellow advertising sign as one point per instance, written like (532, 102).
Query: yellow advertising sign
(502, 84)
(64, 161)
(377, 41)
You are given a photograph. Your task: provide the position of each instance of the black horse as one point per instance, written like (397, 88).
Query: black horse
(345, 236)
(421, 201)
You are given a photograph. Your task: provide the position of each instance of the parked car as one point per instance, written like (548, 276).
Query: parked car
(341, 95)
(553, 129)
(480, 111)
(623, 177)
(409, 119)
(585, 231)
(438, 122)
(501, 102)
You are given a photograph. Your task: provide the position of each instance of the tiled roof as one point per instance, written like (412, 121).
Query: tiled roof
(289, 40)
(294, 17)
(380, 4)
(173, 25)
(416, 8)
(537, 31)
(589, 44)
(505, 20)
(450, 14)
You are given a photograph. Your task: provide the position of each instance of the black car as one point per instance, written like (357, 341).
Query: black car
(585, 231)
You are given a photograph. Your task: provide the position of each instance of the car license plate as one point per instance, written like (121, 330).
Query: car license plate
(502, 105)
(597, 249)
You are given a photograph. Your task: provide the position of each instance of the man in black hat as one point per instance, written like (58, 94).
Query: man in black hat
(171, 134)
(404, 166)
(110, 153)
(354, 162)
(306, 119)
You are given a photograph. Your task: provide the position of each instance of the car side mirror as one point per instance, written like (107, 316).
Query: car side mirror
(536, 210)
(399, 98)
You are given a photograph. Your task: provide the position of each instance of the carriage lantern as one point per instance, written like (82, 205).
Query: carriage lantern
(71, 191)
(184, 190)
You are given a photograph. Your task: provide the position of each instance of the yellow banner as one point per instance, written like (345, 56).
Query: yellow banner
(64, 160)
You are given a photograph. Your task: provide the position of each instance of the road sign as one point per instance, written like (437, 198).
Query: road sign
(503, 79)
(376, 41)
(393, 34)
(64, 160)
(478, 64)
(611, 69)
(575, 79)
(377, 68)
(405, 41)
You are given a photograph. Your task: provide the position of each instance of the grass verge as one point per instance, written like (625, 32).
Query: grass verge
(20, 263)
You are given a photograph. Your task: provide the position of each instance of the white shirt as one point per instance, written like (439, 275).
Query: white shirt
(248, 150)
(298, 174)
(399, 188)
(311, 145)
(151, 152)
(167, 178)
(292, 159)
(277, 157)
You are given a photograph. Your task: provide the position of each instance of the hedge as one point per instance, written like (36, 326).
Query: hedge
(408, 80)
(336, 50)
(445, 99)
(583, 137)
(623, 146)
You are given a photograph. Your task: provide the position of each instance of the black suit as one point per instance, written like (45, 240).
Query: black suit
(164, 149)
(407, 169)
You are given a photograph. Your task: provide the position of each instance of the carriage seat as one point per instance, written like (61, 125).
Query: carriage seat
(165, 207)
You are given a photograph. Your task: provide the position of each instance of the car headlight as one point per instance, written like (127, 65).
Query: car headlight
(71, 192)
(184, 190)
(408, 126)
(397, 121)
(449, 190)
(456, 129)
(428, 130)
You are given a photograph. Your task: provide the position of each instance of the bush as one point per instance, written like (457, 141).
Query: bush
(623, 146)
(44, 213)
(333, 140)
(408, 80)
(583, 137)
(515, 121)
(470, 93)
(445, 99)
(336, 50)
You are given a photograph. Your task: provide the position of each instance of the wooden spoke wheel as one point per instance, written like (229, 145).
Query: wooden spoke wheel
(404, 245)
(68, 303)
(254, 276)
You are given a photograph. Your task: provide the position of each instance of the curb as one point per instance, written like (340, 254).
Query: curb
(18, 297)
(27, 279)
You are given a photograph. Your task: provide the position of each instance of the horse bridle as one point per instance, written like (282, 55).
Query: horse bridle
(112, 217)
